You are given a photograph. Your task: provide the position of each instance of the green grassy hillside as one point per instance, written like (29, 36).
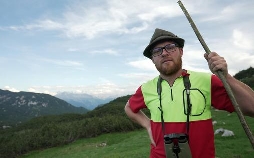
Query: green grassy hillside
(136, 143)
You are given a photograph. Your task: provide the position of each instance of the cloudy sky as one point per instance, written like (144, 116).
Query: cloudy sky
(95, 47)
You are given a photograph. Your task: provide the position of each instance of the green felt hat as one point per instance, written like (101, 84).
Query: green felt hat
(160, 35)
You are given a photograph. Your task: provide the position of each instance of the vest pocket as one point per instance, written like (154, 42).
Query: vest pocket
(196, 103)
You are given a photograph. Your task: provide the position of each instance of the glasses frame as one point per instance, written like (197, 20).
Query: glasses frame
(169, 48)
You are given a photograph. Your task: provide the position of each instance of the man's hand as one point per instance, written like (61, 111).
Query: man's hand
(151, 136)
(216, 63)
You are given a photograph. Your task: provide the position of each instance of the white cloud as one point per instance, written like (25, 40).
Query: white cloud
(43, 89)
(160, 11)
(113, 17)
(241, 40)
(136, 79)
(135, 29)
(11, 89)
(103, 90)
(72, 50)
(62, 62)
(144, 64)
(139, 76)
(106, 51)
(32, 90)
(225, 12)
(46, 24)
(193, 59)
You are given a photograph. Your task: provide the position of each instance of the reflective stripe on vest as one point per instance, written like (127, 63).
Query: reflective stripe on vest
(172, 98)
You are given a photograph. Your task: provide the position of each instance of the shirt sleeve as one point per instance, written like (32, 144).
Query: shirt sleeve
(220, 98)
(136, 101)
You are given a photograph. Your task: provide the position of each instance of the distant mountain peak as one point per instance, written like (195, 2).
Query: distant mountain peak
(22, 106)
(82, 99)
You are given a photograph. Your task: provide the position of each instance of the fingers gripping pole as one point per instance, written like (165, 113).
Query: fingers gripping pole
(222, 78)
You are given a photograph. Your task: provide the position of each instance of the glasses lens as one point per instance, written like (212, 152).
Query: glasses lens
(156, 51)
(170, 47)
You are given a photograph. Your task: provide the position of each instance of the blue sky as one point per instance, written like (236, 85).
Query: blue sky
(95, 47)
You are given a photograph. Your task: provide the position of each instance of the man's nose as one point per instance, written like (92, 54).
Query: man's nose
(164, 52)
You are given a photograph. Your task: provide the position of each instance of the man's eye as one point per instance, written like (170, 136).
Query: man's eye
(169, 47)
(156, 50)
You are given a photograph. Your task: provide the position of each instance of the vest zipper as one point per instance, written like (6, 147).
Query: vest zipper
(171, 92)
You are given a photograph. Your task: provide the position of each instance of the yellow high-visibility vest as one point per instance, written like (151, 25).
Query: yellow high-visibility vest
(174, 98)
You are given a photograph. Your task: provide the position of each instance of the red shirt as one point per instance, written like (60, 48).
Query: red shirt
(201, 135)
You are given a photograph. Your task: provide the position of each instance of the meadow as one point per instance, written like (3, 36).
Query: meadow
(136, 143)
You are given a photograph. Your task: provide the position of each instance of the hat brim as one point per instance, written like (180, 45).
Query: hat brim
(147, 51)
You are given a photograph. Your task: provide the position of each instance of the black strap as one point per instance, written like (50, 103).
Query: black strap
(159, 90)
(187, 85)
(186, 82)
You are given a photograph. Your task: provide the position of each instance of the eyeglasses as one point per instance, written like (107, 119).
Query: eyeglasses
(158, 50)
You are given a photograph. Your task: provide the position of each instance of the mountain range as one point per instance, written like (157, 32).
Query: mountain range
(18, 107)
(82, 100)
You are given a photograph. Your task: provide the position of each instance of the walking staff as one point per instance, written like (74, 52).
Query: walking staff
(221, 76)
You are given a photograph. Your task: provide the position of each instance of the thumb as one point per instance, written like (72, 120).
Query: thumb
(206, 56)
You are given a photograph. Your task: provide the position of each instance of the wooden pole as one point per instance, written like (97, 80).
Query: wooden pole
(222, 78)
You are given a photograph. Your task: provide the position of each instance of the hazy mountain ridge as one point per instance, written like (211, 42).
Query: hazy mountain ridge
(17, 107)
(22, 106)
(82, 100)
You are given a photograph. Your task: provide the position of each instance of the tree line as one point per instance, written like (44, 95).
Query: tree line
(50, 131)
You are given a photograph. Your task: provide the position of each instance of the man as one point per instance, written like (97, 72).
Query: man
(180, 100)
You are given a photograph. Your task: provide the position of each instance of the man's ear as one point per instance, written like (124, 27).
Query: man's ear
(181, 51)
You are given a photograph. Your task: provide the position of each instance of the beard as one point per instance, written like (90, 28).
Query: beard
(171, 68)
